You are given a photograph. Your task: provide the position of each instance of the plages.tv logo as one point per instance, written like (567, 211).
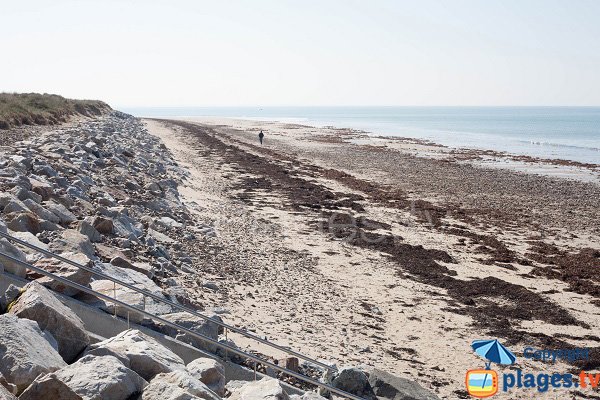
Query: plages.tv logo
(483, 383)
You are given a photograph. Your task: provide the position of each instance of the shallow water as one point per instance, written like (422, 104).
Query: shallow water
(570, 133)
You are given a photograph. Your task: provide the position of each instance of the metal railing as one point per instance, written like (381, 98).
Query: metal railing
(224, 346)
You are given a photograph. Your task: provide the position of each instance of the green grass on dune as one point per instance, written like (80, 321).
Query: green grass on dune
(44, 109)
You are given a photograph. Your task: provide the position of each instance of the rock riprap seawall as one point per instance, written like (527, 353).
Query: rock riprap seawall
(104, 194)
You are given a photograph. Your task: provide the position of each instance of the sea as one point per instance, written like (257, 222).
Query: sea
(568, 133)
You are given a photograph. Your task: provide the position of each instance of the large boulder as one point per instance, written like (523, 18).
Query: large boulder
(24, 352)
(355, 381)
(386, 385)
(199, 325)
(66, 271)
(128, 295)
(9, 265)
(38, 304)
(177, 385)
(265, 389)
(73, 241)
(49, 386)
(210, 372)
(146, 356)
(91, 378)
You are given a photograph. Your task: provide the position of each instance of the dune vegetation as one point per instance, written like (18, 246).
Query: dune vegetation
(18, 109)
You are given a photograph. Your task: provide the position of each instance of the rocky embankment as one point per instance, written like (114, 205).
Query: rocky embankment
(104, 194)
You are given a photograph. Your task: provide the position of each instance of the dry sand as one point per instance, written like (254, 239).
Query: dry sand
(451, 251)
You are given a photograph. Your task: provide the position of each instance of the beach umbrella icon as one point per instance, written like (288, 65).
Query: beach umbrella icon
(493, 351)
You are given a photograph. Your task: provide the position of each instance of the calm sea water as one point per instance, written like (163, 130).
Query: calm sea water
(571, 133)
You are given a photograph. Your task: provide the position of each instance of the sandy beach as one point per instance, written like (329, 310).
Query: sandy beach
(391, 253)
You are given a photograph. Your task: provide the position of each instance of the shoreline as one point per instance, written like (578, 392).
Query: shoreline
(435, 265)
(486, 158)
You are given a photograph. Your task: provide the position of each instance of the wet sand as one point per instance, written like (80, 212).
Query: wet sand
(392, 253)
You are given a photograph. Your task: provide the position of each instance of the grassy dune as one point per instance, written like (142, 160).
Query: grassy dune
(44, 109)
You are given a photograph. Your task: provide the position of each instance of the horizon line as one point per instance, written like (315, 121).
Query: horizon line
(361, 106)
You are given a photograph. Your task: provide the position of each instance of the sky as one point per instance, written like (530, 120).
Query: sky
(282, 52)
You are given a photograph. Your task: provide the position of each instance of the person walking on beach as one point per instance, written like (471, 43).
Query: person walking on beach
(261, 135)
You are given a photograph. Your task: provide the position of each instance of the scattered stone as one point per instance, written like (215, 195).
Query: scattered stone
(24, 353)
(31, 239)
(210, 285)
(38, 304)
(291, 363)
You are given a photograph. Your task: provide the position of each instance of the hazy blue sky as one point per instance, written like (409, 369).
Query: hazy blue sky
(280, 52)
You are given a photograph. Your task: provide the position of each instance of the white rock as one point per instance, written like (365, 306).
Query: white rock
(177, 385)
(210, 372)
(48, 386)
(24, 353)
(267, 389)
(146, 356)
(91, 378)
(39, 304)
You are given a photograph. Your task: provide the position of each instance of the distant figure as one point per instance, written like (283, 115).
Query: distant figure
(261, 135)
